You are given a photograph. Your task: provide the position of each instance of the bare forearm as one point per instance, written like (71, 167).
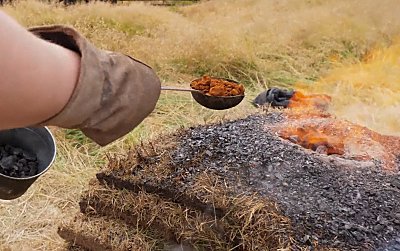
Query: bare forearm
(37, 78)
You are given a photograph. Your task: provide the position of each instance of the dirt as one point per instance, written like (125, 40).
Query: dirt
(217, 86)
(85, 240)
(16, 162)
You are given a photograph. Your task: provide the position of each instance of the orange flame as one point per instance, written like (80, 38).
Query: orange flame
(308, 106)
(329, 135)
(367, 94)
(314, 139)
(317, 101)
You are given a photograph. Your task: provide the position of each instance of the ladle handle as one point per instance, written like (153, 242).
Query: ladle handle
(168, 88)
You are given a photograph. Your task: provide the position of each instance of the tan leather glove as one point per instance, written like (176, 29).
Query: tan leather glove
(114, 92)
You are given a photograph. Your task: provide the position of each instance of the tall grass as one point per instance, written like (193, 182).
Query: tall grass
(367, 93)
(261, 43)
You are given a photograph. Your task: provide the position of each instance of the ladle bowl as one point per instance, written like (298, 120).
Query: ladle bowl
(208, 101)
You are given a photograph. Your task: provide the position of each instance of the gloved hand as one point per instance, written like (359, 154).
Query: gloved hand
(275, 97)
(114, 93)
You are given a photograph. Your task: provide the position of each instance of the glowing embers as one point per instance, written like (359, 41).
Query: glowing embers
(312, 138)
(309, 124)
(329, 135)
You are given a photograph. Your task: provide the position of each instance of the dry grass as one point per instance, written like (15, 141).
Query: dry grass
(162, 218)
(248, 223)
(259, 42)
(254, 221)
(367, 93)
(102, 233)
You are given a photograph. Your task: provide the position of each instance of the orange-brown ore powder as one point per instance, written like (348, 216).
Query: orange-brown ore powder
(217, 87)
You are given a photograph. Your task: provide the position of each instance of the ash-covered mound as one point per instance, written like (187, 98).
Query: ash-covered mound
(352, 205)
(238, 183)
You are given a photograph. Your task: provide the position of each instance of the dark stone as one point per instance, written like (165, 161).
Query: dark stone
(378, 228)
(395, 182)
(359, 236)
(7, 162)
(29, 156)
(17, 151)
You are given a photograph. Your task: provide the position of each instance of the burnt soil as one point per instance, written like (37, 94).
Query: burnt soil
(339, 203)
(16, 162)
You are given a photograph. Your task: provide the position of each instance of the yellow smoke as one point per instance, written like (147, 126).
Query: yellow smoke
(367, 93)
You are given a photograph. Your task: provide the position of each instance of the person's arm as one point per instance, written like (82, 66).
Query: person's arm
(52, 75)
(37, 78)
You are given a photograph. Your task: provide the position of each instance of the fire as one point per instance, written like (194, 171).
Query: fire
(312, 138)
(366, 93)
(310, 124)
(317, 101)
(353, 112)
(329, 135)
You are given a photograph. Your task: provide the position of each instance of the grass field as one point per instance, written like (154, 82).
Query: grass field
(346, 48)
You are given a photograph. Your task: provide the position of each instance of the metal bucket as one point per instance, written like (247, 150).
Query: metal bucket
(37, 140)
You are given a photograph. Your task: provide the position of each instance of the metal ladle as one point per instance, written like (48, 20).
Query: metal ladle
(210, 102)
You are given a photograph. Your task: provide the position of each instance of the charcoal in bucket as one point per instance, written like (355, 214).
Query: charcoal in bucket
(17, 162)
(25, 155)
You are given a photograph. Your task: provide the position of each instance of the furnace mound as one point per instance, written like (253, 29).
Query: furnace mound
(239, 186)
